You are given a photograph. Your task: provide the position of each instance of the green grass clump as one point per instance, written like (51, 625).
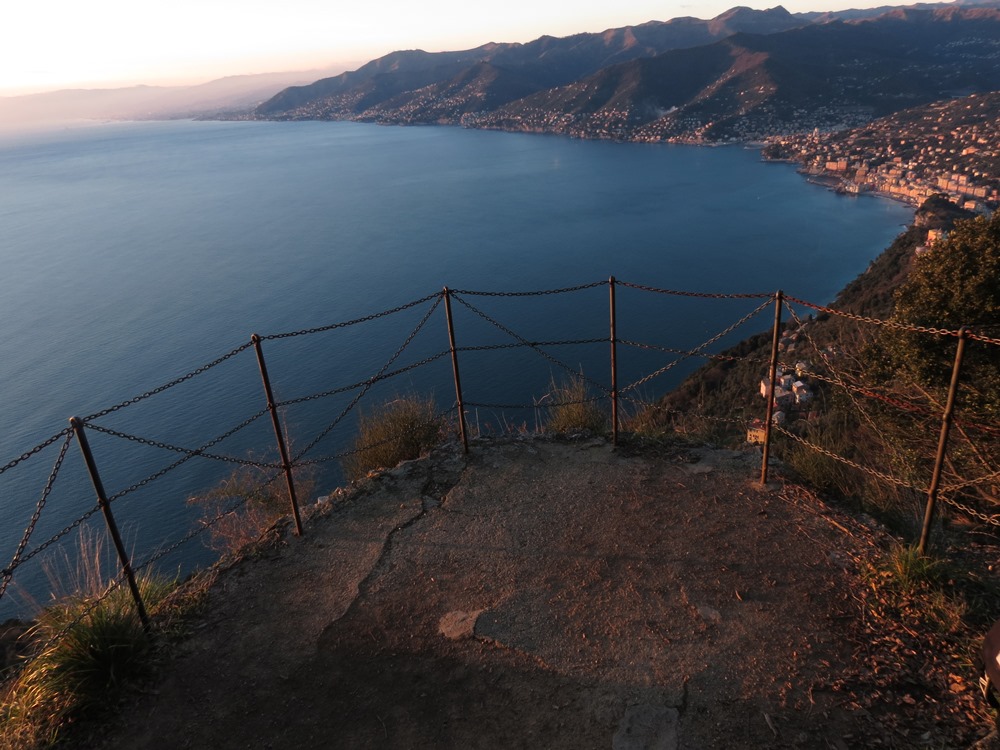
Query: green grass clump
(923, 590)
(399, 430)
(85, 650)
(572, 409)
(907, 571)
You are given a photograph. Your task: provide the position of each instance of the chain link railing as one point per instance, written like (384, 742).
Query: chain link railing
(950, 493)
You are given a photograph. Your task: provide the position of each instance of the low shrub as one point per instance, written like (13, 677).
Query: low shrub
(247, 503)
(399, 430)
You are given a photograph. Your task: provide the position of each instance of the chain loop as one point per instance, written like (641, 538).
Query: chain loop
(176, 449)
(991, 520)
(982, 337)
(56, 537)
(528, 345)
(702, 295)
(187, 457)
(344, 388)
(836, 457)
(971, 482)
(697, 349)
(890, 323)
(689, 352)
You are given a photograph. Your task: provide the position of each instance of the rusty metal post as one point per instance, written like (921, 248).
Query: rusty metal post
(949, 409)
(772, 375)
(286, 466)
(116, 538)
(614, 365)
(454, 367)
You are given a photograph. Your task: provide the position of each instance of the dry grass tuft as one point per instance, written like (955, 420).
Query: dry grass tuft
(572, 408)
(85, 650)
(399, 430)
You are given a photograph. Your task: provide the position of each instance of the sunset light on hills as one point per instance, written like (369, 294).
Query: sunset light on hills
(63, 44)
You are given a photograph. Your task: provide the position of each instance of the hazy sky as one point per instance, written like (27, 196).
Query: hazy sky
(48, 44)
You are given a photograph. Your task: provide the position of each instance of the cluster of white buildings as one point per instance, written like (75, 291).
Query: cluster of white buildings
(790, 391)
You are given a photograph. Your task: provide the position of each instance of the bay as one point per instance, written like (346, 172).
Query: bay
(133, 253)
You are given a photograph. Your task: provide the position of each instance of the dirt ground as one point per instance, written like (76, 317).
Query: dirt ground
(540, 594)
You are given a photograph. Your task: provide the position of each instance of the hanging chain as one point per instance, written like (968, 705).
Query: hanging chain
(375, 378)
(697, 349)
(524, 342)
(8, 572)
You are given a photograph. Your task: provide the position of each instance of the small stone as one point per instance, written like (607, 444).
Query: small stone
(458, 625)
(710, 614)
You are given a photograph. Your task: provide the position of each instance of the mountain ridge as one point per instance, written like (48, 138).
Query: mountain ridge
(744, 85)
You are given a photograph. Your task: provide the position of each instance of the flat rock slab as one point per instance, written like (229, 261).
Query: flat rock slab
(539, 594)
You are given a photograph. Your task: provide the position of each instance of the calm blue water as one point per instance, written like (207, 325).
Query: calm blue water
(135, 252)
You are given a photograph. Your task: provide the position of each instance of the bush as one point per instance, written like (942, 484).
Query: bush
(396, 431)
(573, 409)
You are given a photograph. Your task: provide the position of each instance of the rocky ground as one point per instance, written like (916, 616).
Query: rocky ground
(558, 594)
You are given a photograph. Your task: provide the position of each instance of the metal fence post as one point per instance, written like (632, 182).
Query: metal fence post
(454, 367)
(614, 365)
(102, 499)
(772, 375)
(949, 409)
(286, 466)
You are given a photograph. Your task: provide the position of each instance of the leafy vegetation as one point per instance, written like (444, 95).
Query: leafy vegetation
(908, 571)
(399, 430)
(956, 283)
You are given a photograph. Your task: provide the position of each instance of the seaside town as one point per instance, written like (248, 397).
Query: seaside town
(950, 147)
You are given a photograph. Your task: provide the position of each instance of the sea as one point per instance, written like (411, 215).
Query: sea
(135, 253)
